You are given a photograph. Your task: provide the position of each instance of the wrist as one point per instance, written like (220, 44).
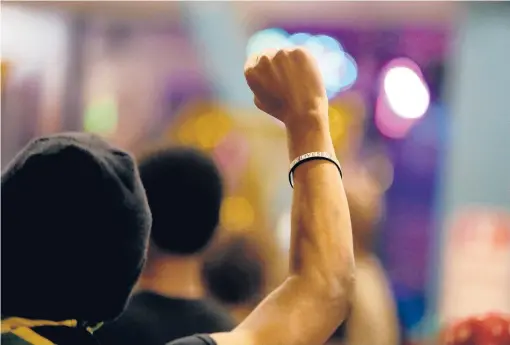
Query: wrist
(310, 134)
(315, 117)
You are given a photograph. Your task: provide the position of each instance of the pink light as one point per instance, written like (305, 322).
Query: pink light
(403, 98)
(390, 124)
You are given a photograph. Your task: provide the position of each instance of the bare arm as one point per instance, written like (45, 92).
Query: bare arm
(314, 299)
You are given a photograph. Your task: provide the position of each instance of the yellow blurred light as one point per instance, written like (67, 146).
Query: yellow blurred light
(237, 213)
(211, 128)
(4, 71)
(186, 133)
(338, 122)
(347, 117)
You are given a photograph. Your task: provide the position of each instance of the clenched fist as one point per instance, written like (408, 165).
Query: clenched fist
(287, 85)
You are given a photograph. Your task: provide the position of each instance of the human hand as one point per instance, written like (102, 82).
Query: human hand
(288, 86)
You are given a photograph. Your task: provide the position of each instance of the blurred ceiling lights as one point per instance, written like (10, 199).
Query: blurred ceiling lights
(338, 68)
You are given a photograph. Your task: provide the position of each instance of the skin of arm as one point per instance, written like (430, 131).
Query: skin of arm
(315, 298)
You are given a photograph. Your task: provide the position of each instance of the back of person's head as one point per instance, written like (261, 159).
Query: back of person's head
(491, 329)
(233, 271)
(184, 190)
(75, 229)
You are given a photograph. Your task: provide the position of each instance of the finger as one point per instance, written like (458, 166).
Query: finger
(260, 84)
(259, 104)
(267, 108)
(253, 80)
(251, 62)
(270, 53)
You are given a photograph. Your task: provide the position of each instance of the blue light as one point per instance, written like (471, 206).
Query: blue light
(350, 74)
(329, 43)
(267, 39)
(300, 39)
(339, 70)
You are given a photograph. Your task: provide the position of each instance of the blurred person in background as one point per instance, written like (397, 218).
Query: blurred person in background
(184, 190)
(492, 329)
(234, 274)
(75, 231)
(373, 318)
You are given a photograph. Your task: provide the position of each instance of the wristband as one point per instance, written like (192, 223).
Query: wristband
(312, 156)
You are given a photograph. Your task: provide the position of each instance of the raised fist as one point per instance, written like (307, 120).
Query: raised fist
(287, 85)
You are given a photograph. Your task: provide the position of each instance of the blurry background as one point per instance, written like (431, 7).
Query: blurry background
(418, 97)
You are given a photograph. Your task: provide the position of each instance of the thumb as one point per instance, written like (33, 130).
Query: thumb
(259, 104)
(270, 106)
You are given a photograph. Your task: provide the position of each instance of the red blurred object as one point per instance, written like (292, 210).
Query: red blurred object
(490, 329)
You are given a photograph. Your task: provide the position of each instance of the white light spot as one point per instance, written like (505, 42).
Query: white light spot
(406, 93)
(267, 39)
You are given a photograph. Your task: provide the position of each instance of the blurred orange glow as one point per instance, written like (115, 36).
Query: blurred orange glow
(186, 134)
(346, 119)
(5, 70)
(338, 122)
(237, 213)
(211, 128)
(202, 125)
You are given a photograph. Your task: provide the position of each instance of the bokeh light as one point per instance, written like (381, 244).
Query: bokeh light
(5, 70)
(346, 120)
(338, 69)
(36, 39)
(205, 131)
(101, 116)
(267, 39)
(388, 123)
(237, 213)
(406, 92)
(382, 169)
(210, 129)
(232, 155)
(403, 98)
(338, 123)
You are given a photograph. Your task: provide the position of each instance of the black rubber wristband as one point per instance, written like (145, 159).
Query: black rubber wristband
(309, 157)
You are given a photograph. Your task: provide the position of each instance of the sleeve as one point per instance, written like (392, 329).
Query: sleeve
(199, 339)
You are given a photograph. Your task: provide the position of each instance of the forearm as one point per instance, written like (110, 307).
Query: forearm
(321, 249)
(312, 302)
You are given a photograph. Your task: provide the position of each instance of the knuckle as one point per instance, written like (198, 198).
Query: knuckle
(249, 72)
(299, 53)
(264, 61)
(280, 54)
